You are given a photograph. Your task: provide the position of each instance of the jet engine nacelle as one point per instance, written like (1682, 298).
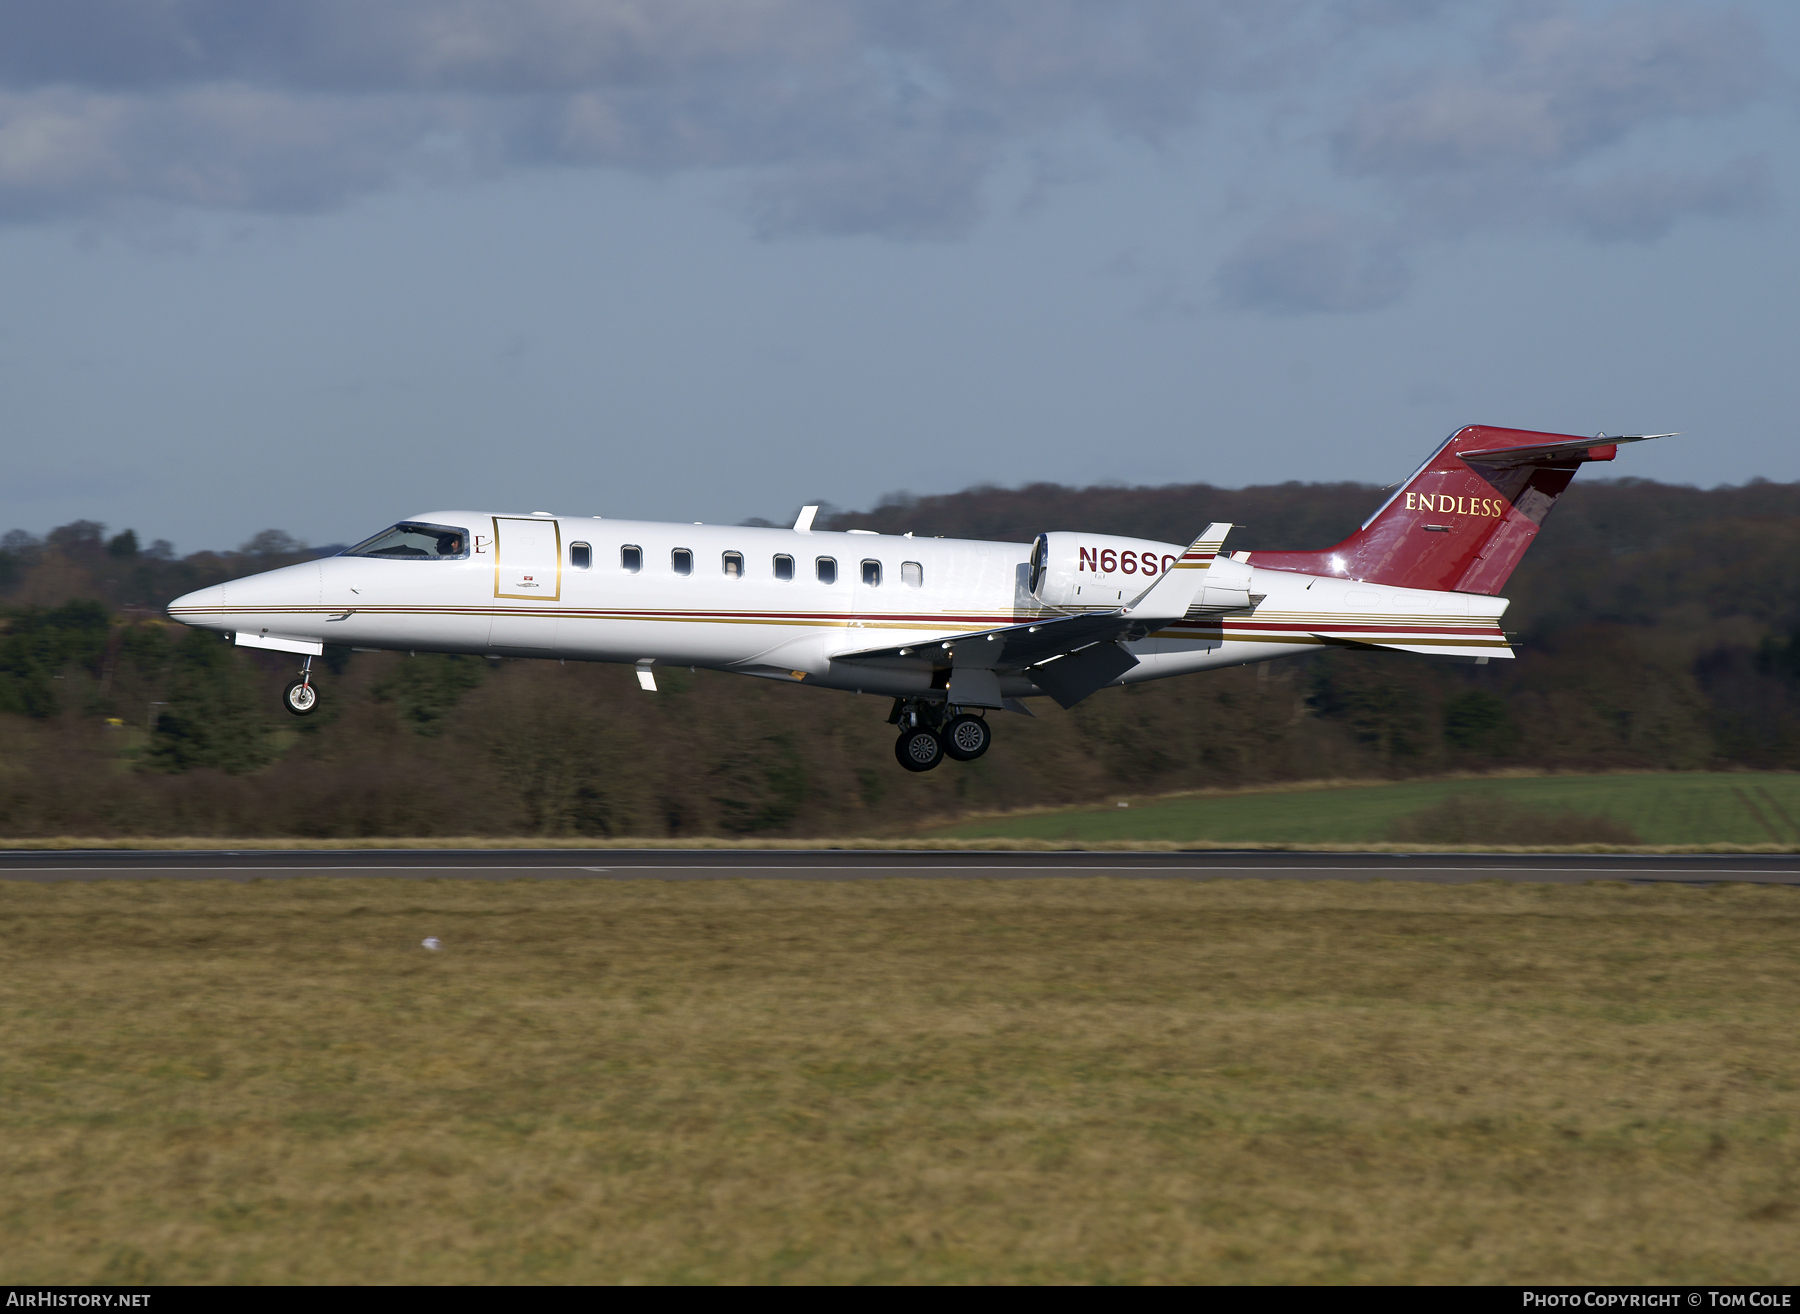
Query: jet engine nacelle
(1227, 586)
(1099, 570)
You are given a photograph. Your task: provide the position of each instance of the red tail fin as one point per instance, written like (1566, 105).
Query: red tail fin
(1465, 518)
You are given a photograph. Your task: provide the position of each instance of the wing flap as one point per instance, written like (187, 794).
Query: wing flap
(1072, 678)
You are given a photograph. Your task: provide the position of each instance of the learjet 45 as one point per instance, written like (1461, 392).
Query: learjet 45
(949, 629)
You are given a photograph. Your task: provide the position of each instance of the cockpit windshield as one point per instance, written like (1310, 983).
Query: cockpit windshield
(413, 541)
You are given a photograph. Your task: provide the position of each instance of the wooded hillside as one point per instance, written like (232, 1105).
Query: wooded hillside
(1657, 630)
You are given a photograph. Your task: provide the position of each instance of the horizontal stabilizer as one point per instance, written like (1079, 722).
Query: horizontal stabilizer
(1600, 448)
(1446, 647)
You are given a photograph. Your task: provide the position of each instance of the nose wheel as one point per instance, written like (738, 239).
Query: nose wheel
(300, 697)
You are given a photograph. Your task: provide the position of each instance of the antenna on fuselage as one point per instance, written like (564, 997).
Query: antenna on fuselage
(803, 523)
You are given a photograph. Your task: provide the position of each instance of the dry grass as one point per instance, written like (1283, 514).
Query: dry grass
(898, 1081)
(858, 843)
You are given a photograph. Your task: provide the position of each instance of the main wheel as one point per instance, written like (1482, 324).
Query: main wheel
(967, 738)
(300, 698)
(919, 750)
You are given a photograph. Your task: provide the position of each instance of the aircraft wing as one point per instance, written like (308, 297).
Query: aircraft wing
(1069, 657)
(1013, 647)
(1009, 648)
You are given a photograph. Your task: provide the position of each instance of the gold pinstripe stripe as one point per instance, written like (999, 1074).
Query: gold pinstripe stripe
(1480, 633)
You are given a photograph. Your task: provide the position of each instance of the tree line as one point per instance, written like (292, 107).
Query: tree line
(1658, 628)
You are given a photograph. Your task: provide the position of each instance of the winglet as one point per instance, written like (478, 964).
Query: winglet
(803, 522)
(1174, 591)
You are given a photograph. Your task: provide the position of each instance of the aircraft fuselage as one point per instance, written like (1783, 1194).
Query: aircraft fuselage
(787, 604)
(949, 628)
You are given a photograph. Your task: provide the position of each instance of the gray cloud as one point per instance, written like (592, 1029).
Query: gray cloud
(1328, 261)
(1516, 142)
(853, 115)
(1641, 207)
(1136, 57)
(1313, 260)
(885, 117)
(219, 145)
(1555, 89)
(1638, 205)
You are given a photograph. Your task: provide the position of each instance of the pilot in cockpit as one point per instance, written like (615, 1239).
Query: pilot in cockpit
(449, 545)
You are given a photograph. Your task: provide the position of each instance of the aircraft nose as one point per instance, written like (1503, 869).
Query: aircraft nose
(204, 607)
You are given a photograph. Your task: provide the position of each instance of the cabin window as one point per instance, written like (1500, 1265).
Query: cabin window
(631, 558)
(581, 555)
(682, 560)
(784, 566)
(732, 563)
(871, 574)
(413, 541)
(912, 574)
(827, 570)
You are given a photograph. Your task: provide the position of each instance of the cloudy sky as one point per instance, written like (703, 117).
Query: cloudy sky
(321, 264)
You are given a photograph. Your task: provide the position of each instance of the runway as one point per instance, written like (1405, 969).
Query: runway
(854, 865)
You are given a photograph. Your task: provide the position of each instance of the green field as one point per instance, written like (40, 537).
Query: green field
(1672, 808)
(897, 1081)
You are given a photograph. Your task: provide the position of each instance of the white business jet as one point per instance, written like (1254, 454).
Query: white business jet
(950, 629)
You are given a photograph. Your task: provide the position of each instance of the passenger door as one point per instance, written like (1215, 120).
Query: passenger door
(527, 575)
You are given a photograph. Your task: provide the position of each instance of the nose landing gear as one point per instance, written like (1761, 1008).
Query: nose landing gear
(930, 732)
(300, 697)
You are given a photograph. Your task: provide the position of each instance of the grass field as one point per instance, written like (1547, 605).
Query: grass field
(1671, 808)
(917, 1081)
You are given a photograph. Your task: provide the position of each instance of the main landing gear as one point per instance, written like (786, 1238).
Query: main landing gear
(300, 697)
(930, 732)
